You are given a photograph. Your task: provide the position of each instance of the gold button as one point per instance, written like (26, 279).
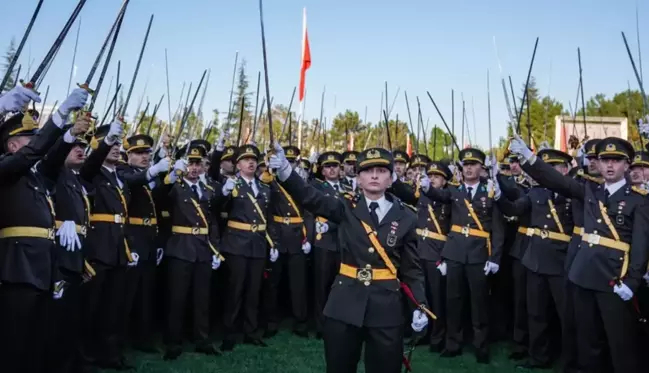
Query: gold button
(599, 220)
(621, 258)
(367, 266)
(469, 215)
(545, 227)
(548, 216)
(371, 250)
(595, 232)
(367, 283)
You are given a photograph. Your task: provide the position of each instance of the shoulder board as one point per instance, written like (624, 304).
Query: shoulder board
(454, 183)
(596, 180)
(639, 190)
(209, 187)
(413, 208)
(318, 180)
(349, 196)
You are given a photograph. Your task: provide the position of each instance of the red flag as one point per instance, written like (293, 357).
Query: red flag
(306, 57)
(408, 147)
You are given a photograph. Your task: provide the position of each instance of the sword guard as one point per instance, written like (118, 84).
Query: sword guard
(87, 88)
(29, 85)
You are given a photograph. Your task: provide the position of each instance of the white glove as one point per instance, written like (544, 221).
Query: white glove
(581, 151)
(419, 321)
(424, 183)
(623, 291)
(162, 152)
(228, 187)
(302, 173)
(517, 146)
(441, 267)
(497, 191)
(491, 267)
(17, 98)
(160, 253)
(59, 287)
(274, 254)
(321, 227)
(644, 126)
(136, 259)
(216, 262)
(394, 177)
(646, 278)
(279, 162)
(313, 158)
(115, 132)
(306, 247)
(161, 166)
(75, 101)
(220, 142)
(68, 236)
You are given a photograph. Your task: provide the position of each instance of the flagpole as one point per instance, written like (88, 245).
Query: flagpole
(305, 63)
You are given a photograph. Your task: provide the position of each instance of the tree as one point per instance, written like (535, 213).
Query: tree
(241, 95)
(8, 57)
(627, 104)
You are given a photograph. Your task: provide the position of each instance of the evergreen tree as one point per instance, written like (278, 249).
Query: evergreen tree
(8, 57)
(241, 94)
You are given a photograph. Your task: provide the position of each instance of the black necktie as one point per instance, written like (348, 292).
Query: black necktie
(373, 215)
(606, 195)
(468, 192)
(337, 187)
(195, 191)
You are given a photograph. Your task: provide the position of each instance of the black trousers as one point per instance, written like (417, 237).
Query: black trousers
(243, 292)
(542, 292)
(293, 265)
(569, 326)
(185, 278)
(606, 321)
(23, 311)
(457, 275)
(436, 295)
(500, 301)
(519, 276)
(327, 265)
(344, 342)
(103, 314)
(63, 353)
(139, 305)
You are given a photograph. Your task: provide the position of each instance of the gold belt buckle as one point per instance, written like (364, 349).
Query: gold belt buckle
(83, 230)
(424, 233)
(196, 231)
(544, 234)
(364, 275)
(254, 228)
(593, 239)
(287, 221)
(465, 231)
(146, 221)
(51, 234)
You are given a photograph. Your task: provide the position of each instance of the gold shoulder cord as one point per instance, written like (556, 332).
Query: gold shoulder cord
(477, 222)
(123, 200)
(434, 219)
(379, 248)
(616, 236)
(263, 218)
(293, 205)
(200, 213)
(553, 211)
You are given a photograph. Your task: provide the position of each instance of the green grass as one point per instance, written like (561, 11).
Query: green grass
(289, 354)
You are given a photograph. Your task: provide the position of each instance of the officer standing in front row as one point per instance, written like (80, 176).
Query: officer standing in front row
(608, 268)
(378, 239)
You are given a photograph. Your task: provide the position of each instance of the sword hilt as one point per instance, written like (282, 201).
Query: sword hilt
(29, 85)
(86, 87)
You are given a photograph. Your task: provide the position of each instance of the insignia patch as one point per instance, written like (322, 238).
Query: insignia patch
(610, 147)
(392, 240)
(619, 219)
(371, 154)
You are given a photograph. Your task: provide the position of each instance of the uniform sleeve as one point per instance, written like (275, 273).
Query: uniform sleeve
(517, 207)
(314, 200)
(54, 160)
(404, 192)
(410, 268)
(497, 235)
(215, 165)
(639, 254)
(13, 166)
(550, 178)
(132, 177)
(92, 166)
(273, 203)
(441, 195)
(508, 187)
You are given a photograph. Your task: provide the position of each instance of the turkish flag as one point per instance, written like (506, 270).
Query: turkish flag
(306, 57)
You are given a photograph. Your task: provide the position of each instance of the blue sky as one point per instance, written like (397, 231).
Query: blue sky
(356, 45)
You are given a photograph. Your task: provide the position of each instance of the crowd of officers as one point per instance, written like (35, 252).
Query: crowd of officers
(102, 235)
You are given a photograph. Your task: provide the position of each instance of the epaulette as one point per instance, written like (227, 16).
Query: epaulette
(413, 208)
(639, 190)
(349, 196)
(454, 183)
(209, 187)
(585, 176)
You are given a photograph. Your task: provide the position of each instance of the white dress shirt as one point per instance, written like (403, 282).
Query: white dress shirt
(474, 188)
(198, 187)
(255, 189)
(382, 210)
(335, 184)
(612, 188)
(119, 182)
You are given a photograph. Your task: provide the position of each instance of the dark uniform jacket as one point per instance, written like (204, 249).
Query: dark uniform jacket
(433, 220)
(142, 227)
(379, 303)
(71, 202)
(286, 221)
(465, 247)
(549, 229)
(596, 266)
(513, 188)
(106, 240)
(184, 213)
(241, 209)
(25, 202)
(329, 239)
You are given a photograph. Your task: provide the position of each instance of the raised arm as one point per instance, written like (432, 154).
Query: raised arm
(517, 207)
(92, 166)
(497, 235)
(639, 246)
(312, 199)
(405, 192)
